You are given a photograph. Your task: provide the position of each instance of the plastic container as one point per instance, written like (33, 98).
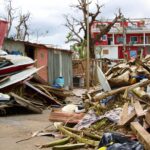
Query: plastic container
(60, 81)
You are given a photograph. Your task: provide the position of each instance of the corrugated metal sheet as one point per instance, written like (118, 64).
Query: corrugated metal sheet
(60, 63)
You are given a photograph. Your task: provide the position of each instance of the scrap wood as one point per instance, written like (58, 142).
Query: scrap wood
(78, 138)
(141, 94)
(147, 117)
(123, 114)
(68, 146)
(25, 103)
(138, 109)
(42, 93)
(142, 135)
(139, 99)
(54, 143)
(100, 96)
(65, 117)
(128, 119)
(57, 92)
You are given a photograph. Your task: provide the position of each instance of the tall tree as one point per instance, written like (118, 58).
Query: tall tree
(78, 27)
(22, 27)
(15, 16)
(10, 14)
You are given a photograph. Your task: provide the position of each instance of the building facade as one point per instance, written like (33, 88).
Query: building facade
(130, 37)
(56, 62)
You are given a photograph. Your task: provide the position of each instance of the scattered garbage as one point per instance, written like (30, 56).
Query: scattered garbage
(116, 141)
(114, 116)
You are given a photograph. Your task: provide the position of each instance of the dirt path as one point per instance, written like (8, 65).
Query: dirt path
(14, 128)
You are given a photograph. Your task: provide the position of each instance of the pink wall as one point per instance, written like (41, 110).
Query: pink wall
(3, 30)
(42, 60)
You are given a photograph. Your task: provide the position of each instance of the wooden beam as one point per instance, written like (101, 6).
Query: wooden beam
(142, 135)
(147, 117)
(124, 114)
(129, 118)
(25, 103)
(138, 109)
(100, 96)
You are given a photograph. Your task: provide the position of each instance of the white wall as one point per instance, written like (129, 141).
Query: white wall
(112, 52)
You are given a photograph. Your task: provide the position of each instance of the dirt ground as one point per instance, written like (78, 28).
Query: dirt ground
(18, 127)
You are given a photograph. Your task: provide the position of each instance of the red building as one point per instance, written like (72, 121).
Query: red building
(3, 30)
(130, 37)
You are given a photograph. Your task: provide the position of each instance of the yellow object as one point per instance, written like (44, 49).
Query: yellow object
(103, 148)
(132, 80)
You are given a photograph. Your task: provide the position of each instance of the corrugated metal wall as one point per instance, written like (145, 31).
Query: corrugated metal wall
(60, 63)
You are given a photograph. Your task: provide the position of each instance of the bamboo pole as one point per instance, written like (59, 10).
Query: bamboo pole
(78, 138)
(68, 146)
(56, 142)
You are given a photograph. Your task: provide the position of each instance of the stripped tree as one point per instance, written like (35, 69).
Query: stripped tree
(22, 27)
(10, 15)
(78, 27)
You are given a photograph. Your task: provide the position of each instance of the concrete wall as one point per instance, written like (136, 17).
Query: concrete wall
(110, 52)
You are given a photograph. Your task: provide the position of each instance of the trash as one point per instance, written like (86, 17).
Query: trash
(59, 82)
(70, 108)
(116, 141)
(4, 97)
(91, 118)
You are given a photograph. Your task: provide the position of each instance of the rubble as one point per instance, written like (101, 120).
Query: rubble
(26, 91)
(121, 106)
(123, 109)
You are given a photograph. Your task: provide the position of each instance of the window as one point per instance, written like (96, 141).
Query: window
(104, 38)
(120, 39)
(133, 39)
(117, 25)
(133, 53)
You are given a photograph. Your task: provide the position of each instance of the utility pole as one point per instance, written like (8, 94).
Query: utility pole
(124, 38)
(87, 49)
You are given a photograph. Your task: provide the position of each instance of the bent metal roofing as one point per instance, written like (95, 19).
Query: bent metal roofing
(49, 47)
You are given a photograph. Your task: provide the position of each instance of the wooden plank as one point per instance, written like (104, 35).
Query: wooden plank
(129, 118)
(66, 117)
(142, 135)
(147, 117)
(25, 103)
(42, 93)
(138, 109)
(98, 96)
(124, 114)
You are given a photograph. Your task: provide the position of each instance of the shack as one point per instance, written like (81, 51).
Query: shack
(57, 62)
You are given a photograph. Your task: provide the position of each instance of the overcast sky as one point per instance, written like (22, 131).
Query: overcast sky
(48, 14)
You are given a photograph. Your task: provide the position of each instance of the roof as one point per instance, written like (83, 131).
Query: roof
(49, 47)
(3, 20)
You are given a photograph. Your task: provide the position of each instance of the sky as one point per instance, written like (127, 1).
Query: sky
(48, 15)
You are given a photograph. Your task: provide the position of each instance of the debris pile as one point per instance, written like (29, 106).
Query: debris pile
(22, 91)
(129, 73)
(113, 119)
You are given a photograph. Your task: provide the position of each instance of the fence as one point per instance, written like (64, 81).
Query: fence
(79, 69)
